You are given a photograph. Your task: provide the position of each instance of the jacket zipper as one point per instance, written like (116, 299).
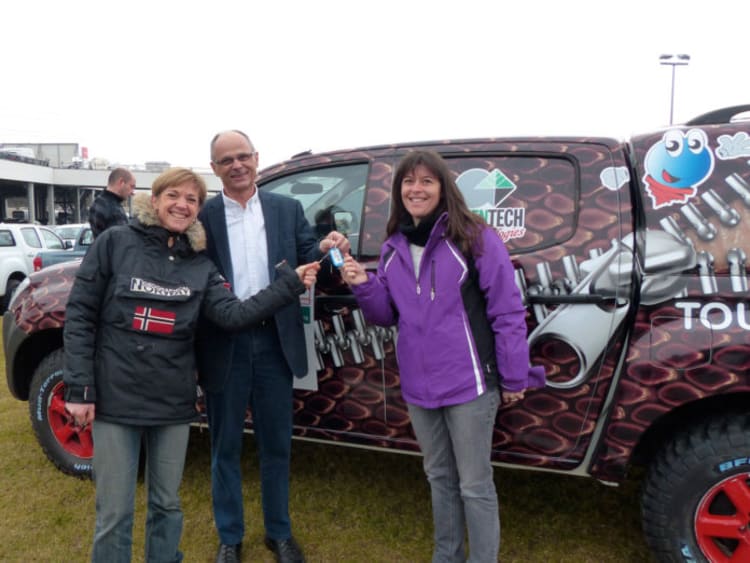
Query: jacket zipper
(433, 292)
(432, 280)
(419, 286)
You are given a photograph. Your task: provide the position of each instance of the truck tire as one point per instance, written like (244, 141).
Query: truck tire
(10, 288)
(66, 445)
(696, 495)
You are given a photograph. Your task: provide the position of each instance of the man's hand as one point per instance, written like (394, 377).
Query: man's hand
(307, 273)
(335, 239)
(82, 413)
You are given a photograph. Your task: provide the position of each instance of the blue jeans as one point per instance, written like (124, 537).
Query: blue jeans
(259, 378)
(116, 451)
(456, 442)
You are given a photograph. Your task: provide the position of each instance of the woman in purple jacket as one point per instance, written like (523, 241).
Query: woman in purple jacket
(445, 277)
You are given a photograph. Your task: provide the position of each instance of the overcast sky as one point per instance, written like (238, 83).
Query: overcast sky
(139, 81)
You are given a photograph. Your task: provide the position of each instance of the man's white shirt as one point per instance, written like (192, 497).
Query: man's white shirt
(248, 247)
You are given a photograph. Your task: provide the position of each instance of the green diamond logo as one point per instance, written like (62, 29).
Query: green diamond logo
(496, 180)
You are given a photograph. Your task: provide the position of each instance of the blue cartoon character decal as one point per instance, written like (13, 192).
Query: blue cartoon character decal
(676, 166)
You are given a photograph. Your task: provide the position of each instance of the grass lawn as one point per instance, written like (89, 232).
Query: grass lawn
(347, 505)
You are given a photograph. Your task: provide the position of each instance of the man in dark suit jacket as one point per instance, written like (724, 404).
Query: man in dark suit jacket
(248, 232)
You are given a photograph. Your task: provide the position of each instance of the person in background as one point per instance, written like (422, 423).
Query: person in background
(446, 279)
(107, 209)
(247, 232)
(129, 355)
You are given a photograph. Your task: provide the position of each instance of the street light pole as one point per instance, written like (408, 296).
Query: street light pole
(673, 61)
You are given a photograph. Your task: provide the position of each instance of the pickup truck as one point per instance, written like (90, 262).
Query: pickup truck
(631, 256)
(81, 244)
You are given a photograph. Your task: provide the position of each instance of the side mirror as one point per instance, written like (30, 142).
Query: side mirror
(343, 221)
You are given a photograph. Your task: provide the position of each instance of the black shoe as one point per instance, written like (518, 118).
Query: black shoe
(229, 553)
(286, 551)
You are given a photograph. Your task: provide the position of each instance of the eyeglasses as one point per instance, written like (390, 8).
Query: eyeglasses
(229, 160)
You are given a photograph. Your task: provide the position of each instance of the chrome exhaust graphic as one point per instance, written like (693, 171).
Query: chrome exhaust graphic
(740, 187)
(705, 230)
(737, 272)
(587, 326)
(706, 273)
(727, 215)
(343, 340)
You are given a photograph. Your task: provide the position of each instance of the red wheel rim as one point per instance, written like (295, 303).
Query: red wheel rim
(722, 521)
(73, 439)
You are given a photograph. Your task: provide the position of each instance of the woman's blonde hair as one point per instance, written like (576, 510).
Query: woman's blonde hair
(177, 176)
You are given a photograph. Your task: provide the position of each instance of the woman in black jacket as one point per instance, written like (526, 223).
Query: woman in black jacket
(129, 359)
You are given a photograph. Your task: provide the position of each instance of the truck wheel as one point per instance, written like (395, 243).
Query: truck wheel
(10, 288)
(69, 447)
(696, 496)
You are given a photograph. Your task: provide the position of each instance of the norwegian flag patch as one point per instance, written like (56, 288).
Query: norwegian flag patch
(148, 319)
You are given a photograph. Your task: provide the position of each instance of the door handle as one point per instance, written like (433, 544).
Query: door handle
(572, 299)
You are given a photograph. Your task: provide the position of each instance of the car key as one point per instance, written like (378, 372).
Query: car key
(337, 259)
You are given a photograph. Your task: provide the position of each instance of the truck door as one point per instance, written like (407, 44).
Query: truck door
(350, 393)
(565, 213)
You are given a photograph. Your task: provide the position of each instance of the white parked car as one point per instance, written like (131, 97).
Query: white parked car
(19, 244)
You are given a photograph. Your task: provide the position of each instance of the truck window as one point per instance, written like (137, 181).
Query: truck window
(332, 198)
(512, 192)
(31, 237)
(6, 239)
(51, 240)
(87, 237)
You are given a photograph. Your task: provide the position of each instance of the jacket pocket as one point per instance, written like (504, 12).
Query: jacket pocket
(155, 307)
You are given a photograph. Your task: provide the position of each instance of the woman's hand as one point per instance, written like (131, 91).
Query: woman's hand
(82, 413)
(512, 397)
(352, 272)
(308, 273)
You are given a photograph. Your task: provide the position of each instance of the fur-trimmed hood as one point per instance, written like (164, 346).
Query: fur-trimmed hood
(145, 213)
